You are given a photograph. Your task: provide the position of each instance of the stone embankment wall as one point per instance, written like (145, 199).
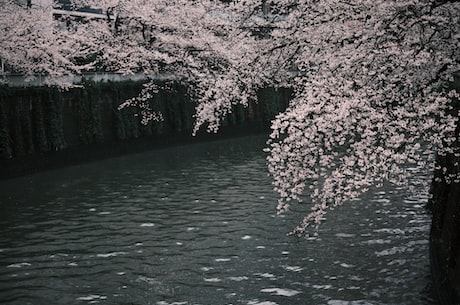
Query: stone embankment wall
(445, 230)
(44, 127)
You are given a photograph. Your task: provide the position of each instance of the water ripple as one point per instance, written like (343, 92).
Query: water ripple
(196, 225)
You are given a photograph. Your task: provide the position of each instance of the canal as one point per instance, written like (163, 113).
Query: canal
(196, 225)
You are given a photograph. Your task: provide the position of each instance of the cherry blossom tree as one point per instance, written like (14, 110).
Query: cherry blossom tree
(34, 43)
(369, 77)
(369, 97)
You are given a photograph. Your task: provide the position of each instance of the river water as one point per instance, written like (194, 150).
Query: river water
(196, 225)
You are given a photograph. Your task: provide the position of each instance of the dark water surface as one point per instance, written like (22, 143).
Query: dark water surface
(197, 225)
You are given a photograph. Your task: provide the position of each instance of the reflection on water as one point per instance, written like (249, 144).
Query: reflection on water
(196, 225)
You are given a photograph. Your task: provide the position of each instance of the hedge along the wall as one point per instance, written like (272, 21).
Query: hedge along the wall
(38, 121)
(32, 119)
(131, 119)
(118, 124)
(251, 112)
(126, 124)
(26, 121)
(187, 109)
(272, 101)
(172, 103)
(94, 99)
(267, 98)
(16, 128)
(178, 111)
(238, 110)
(86, 110)
(173, 112)
(156, 104)
(54, 127)
(5, 148)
